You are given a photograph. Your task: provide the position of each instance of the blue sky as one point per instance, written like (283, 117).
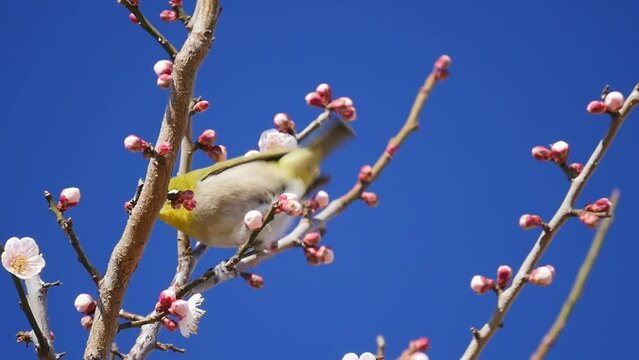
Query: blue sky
(78, 79)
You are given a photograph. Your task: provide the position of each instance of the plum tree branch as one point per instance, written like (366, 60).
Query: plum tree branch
(149, 28)
(67, 226)
(507, 297)
(129, 249)
(575, 293)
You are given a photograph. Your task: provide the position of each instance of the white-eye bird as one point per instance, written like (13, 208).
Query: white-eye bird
(226, 191)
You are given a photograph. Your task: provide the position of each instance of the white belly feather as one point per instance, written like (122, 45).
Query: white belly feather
(224, 199)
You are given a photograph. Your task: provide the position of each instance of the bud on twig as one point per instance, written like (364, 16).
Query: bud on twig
(504, 273)
(481, 284)
(528, 221)
(614, 101)
(542, 276)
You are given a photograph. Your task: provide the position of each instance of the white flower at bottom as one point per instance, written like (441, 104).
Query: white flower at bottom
(419, 356)
(22, 257)
(367, 356)
(189, 322)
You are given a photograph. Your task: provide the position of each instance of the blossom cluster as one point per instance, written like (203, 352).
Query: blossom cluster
(186, 314)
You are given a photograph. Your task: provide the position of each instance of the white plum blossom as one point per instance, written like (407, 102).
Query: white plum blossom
(22, 257)
(273, 139)
(364, 356)
(419, 356)
(189, 322)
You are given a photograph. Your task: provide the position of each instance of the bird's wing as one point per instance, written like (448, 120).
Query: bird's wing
(225, 165)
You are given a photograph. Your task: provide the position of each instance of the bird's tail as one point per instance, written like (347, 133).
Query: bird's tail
(331, 136)
(304, 162)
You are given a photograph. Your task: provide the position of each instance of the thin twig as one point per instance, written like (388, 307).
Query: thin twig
(130, 316)
(182, 15)
(169, 347)
(67, 227)
(149, 28)
(155, 317)
(507, 298)
(313, 125)
(577, 288)
(381, 347)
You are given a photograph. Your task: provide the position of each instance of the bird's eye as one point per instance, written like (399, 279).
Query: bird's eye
(172, 194)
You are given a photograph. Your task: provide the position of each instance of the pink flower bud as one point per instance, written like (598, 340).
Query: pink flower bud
(189, 205)
(255, 281)
(344, 107)
(542, 276)
(201, 106)
(576, 167)
(217, 153)
(365, 174)
(134, 2)
(588, 219)
(166, 298)
(169, 324)
(420, 344)
(321, 198)
(134, 18)
(163, 149)
(596, 107)
(283, 123)
(541, 153)
(370, 198)
(504, 273)
(163, 67)
(86, 322)
(343, 102)
(186, 195)
(441, 74)
(324, 90)
(69, 197)
(311, 256)
(443, 62)
(164, 81)
(481, 284)
(601, 205)
(179, 308)
(392, 148)
(528, 221)
(311, 239)
(614, 101)
(315, 99)
(326, 255)
(84, 303)
(177, 3)
(134, 144)
(292, 207)
(559, 152)
(168, 15)
(253, 220)
(207, 137)
(348, 113)
(285, 197)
